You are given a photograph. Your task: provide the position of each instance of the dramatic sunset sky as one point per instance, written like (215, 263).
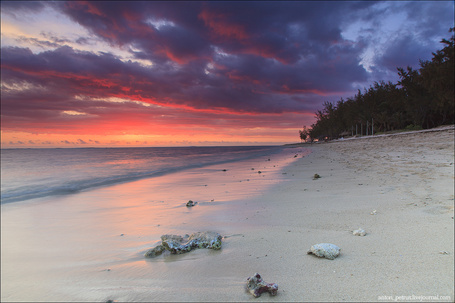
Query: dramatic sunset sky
(111, 73)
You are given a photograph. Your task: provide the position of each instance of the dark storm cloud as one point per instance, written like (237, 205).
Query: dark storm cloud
(191, 29)
(430, 19)
(254, 57)
(59, 75)
(401, 53)
(423, 24)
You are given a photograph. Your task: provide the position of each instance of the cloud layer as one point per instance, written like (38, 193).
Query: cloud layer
(164, 66)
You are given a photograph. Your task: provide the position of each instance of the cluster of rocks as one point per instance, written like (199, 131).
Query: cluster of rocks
(176, 244)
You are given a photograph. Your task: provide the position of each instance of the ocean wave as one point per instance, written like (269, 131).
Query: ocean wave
(77, 180)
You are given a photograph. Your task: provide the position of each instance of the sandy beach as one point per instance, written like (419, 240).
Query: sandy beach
(399, 188)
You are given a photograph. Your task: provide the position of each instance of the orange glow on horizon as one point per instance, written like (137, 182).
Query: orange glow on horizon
(251, 136)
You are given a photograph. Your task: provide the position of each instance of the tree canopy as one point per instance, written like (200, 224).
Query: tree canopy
(422, 98)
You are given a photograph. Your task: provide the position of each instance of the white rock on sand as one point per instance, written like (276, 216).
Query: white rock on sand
(359, 232)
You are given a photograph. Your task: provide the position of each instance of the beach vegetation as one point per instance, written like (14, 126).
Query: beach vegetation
(304, 134)
(422, 98)
(413, 127)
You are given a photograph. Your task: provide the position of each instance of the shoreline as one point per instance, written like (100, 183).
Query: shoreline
(104, 232)
(406, 182)
(389, 134)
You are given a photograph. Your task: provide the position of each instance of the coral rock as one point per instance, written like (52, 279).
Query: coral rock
(176, 244)
(325, 250)
(359, 232)
(209, 239)
(156, 251)
(256, 286)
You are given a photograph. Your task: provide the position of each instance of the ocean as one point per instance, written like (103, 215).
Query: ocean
(34, 173)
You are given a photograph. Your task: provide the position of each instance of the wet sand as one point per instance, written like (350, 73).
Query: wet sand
(399, 189)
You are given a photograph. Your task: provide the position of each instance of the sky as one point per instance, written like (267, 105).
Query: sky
(190, 73)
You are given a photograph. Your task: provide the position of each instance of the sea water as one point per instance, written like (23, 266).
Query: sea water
(33, 173)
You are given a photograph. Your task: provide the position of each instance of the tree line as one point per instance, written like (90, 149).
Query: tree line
(422, 98)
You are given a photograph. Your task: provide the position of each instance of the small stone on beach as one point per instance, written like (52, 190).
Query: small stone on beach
(359, 232)
(190, 203)
(256, 286)
(325, 250)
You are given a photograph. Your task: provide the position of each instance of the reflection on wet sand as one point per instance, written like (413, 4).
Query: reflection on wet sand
(91, 244)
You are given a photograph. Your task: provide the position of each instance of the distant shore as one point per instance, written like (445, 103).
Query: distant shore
(398, 188)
